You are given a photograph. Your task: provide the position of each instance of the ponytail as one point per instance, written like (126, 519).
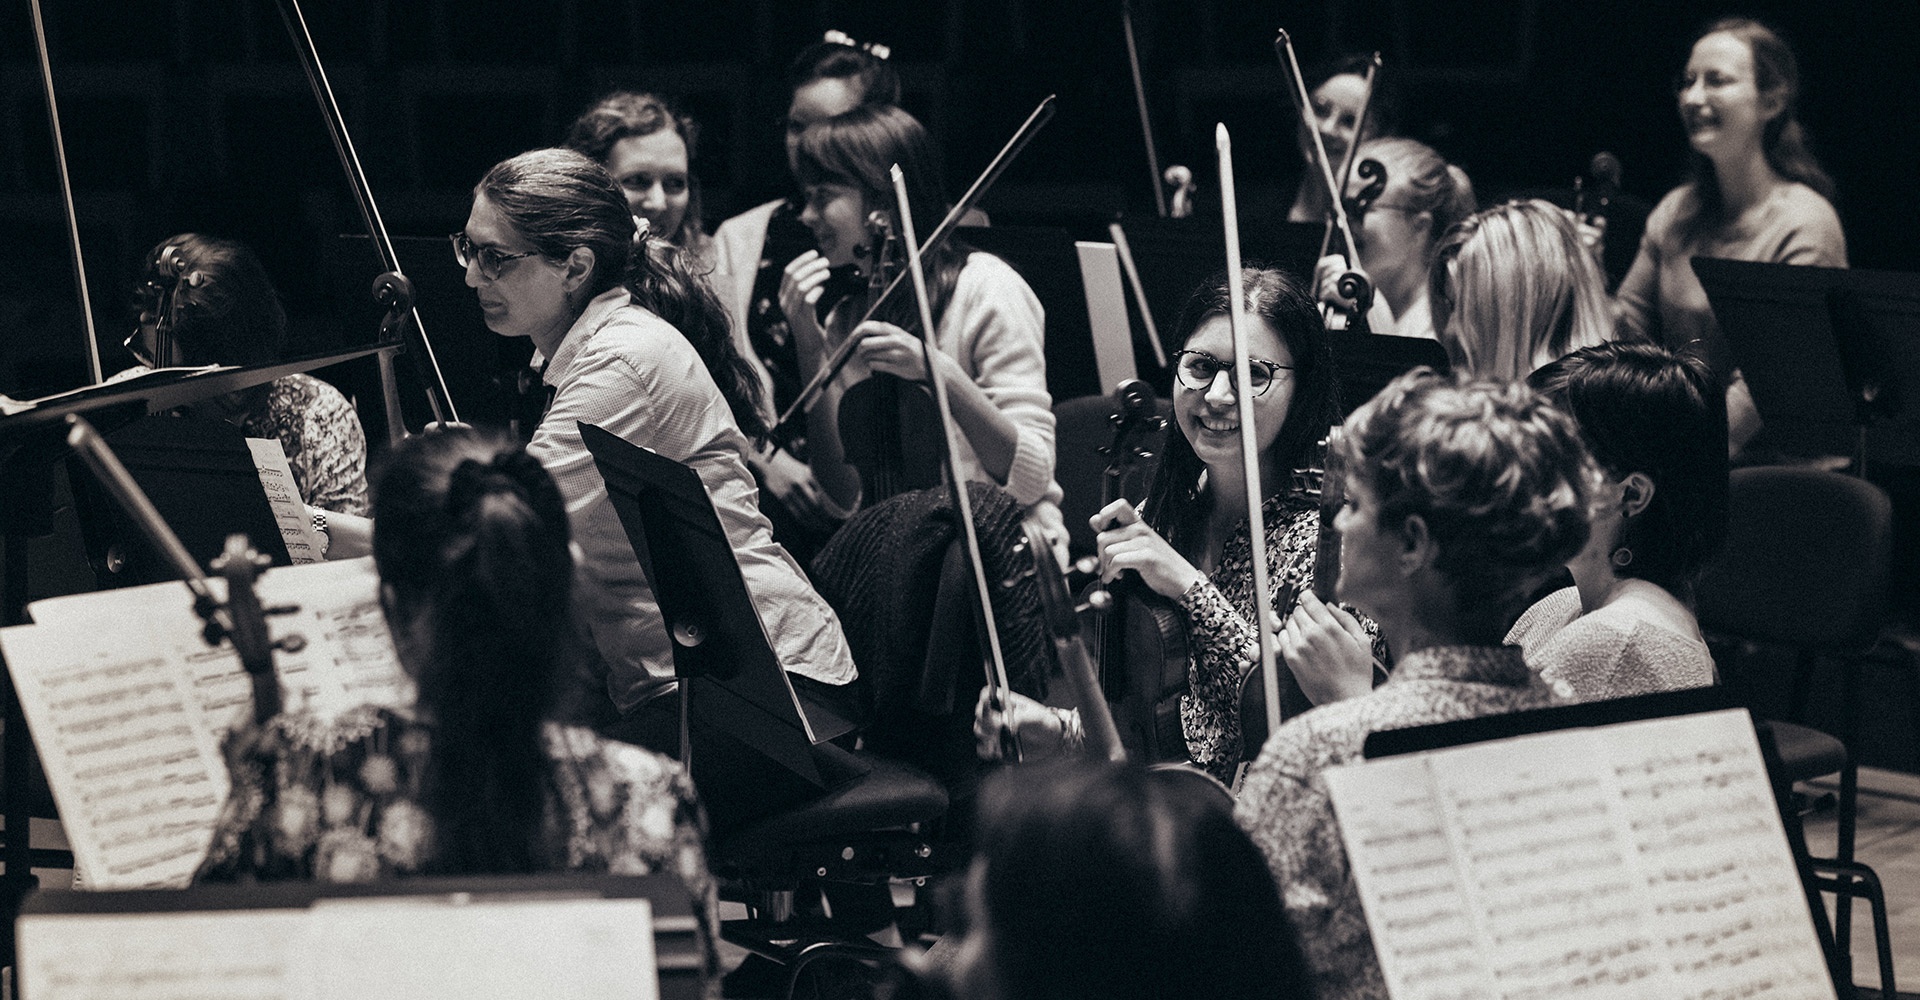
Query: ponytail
(471, 537)
(560, 200)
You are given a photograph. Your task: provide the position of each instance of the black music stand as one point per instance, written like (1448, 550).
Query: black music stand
(1046, 258)
(753, 737)
(1667, 704)
(32, 443)
(1832, 355)
(1366, 362)
(678, 954)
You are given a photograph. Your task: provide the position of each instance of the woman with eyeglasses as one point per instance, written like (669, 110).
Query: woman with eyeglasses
(1397, 231)
(205, 300)
(1756, 193)
(1189, 541)
(635, 344)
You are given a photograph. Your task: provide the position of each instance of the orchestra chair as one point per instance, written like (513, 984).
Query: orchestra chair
(1805, 569)
(1085, 468)
(796, 810)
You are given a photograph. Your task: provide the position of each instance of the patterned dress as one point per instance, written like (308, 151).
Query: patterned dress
(321, 434)
(340, 801)
(1219, 612)
(1284, 805)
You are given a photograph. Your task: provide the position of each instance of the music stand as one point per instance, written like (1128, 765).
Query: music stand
(752, 736)
(1832, 355)
(1366, 362)
(51, 920)
(1667, 704)
(1046, 258)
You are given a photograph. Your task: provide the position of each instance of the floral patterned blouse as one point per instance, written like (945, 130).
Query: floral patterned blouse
(1219, 610)
(321, 434)
(339, 801)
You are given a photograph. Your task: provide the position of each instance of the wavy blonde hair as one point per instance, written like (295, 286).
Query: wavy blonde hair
(1512, 289)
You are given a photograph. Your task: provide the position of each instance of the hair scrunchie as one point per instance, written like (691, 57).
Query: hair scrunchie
(472, 480)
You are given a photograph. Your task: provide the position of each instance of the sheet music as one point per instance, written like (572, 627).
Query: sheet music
(134, 768)
(283, 496)
(221, 955)
(1644, 859)
(128, 704)
(426, 948)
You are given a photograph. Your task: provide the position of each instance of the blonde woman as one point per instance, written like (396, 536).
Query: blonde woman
(1512, 289)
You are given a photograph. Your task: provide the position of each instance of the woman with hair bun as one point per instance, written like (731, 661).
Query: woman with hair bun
(474, 777)
(1756, 193)
(1424, 196)
(1463, 498)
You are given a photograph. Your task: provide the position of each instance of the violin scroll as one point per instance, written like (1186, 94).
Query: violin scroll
(1179, 181)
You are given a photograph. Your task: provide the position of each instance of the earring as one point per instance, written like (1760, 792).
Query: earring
(1622, 557)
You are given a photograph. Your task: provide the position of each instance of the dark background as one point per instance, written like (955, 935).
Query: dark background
(193, 114)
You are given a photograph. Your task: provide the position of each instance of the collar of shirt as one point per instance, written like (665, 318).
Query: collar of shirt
(1501, 665)
(598, 312)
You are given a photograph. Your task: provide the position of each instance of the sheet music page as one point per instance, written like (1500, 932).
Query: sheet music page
(428, 948)
(128, 704)
(348, 659)
(133, 765)
(229, 955)
(283, 496)
(1645, 859)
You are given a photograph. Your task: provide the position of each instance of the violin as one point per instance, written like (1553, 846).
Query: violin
(1139, 638)
(889, 428)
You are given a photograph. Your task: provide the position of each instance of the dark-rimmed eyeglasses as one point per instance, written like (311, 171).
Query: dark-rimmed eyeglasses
(1197, 370)
(491, 260)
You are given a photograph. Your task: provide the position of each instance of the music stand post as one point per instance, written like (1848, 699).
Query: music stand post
(32, 443)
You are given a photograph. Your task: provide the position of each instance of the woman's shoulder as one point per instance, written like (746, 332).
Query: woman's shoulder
(1674, 208)
(987, 275)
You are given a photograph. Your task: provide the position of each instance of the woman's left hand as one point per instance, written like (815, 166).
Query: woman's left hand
(1330, 654)
(887, 348)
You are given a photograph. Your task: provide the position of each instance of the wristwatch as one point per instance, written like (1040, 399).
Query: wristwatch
(320, 529)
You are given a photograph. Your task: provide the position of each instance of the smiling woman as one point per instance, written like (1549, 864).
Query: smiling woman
(648, 147)
(636, 345)
(1189, 541)
(1756, 194)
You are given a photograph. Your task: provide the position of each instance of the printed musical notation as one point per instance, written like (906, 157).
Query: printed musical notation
(283, 496)
(127, 705)
(1643, 859)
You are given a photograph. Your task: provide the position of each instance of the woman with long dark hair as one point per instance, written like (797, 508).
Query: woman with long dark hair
(204, 300)
(1189, 541)
(1755, 193)
(989, 328)
(473, 777)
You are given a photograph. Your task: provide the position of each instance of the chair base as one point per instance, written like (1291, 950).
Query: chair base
(1852, 880)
